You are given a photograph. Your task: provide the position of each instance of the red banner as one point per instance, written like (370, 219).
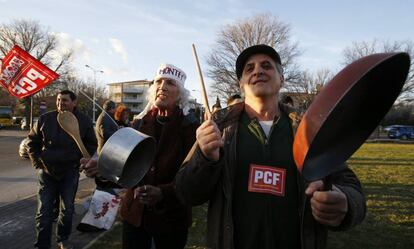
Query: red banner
(22, 75)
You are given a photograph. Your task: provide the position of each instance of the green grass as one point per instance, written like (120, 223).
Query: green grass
(387, 174)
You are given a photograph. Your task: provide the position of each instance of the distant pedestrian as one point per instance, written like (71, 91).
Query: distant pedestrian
(287, 100)
(106, 124)
(216, 106)
(122, 116)
(234, 99)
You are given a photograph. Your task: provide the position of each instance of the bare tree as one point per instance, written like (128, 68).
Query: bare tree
(41, 44)
(307, 86)
(36, 40)
(310, 82)
(80, 87)
(6, 98)
(234, 38)
(364, 48)
(401, 113)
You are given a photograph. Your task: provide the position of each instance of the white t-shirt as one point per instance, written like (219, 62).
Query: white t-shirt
(266, 125)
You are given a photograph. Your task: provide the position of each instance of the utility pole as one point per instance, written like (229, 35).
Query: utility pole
(94, 70)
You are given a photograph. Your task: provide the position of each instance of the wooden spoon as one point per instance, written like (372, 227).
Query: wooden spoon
(70, 124)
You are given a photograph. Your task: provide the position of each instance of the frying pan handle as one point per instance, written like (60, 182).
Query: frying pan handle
(327, 183)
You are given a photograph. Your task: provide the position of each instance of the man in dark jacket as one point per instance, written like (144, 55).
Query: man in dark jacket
(56, 156)
(243, 165)
(105, 124)
(105, 127)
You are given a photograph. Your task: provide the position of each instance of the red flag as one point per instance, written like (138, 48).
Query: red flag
(22, 75)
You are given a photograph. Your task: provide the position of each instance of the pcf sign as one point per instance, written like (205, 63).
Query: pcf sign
(22, 75)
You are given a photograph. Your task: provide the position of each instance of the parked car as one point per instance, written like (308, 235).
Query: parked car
(17, 120)
(23, 148)
(401, 132)
(6, 116)
(24, 125)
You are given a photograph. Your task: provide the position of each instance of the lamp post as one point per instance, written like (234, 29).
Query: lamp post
(94, 70)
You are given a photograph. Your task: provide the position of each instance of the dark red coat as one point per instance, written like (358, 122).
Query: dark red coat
(175, 140)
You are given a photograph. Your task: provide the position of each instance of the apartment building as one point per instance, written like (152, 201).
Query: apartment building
(130, 93)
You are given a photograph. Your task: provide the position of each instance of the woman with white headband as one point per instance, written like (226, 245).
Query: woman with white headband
(151, 211)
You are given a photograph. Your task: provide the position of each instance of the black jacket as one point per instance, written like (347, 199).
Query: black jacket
(105, 127)
(50, 147)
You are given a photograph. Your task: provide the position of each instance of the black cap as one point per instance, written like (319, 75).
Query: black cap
(256, 49)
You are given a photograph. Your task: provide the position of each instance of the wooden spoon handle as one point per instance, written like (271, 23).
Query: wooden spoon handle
(202, 85)
(82, 148)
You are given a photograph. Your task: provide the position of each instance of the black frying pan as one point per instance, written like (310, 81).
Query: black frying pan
(346, 112)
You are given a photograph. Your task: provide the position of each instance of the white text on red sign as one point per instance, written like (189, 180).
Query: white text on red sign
(11, 69)
(267, 179)
(27, 83)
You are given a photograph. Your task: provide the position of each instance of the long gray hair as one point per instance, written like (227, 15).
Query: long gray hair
(182, 102)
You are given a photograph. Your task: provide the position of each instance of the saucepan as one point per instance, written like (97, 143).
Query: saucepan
(126, 157)
(346, 112)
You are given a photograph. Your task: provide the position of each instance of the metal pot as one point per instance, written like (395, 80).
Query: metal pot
(126, 157)
(347, 111)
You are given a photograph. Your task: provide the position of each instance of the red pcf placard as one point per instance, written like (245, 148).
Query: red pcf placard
(22, 75)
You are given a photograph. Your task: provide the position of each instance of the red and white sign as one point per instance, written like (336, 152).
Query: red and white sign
(266, 179)
(22, 75)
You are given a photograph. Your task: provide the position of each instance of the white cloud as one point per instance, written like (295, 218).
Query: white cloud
(119, 48)
(68, 43)
(111, 71)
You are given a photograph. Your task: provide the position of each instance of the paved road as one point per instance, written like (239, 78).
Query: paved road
(17, 178)
(17, 223)
(18, 185)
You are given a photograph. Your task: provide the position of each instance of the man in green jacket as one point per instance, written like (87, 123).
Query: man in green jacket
(243, 165)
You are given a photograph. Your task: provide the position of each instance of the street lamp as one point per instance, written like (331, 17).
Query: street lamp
(94, 70)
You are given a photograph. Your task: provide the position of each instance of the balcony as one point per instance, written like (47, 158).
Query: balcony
(136, 110)
(133, 90)
(115, 99)
(138, 100)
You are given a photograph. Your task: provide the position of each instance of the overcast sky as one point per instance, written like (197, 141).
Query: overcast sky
(128, 39)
